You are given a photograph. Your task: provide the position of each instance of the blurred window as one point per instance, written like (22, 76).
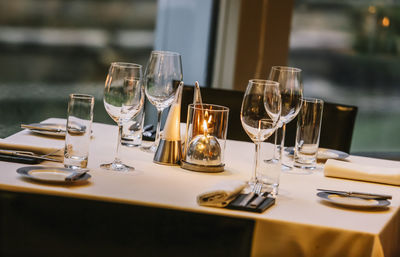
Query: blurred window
(350, 53)
(51, 48)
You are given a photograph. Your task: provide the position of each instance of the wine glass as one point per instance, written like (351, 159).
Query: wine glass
(161, 80)
(123, 99)
(291, 88)
(260, 112)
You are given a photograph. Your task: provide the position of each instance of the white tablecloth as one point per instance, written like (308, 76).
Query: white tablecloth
(299, 224)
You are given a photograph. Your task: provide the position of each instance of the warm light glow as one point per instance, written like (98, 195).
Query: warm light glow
(205, 128)
(385, 22)
(372, 9)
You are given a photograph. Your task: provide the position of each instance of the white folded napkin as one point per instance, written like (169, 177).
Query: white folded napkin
(31, 148)
(221, 194)
(341, 169)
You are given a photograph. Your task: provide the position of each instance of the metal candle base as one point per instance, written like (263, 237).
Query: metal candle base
(202, 168)
(168, 152)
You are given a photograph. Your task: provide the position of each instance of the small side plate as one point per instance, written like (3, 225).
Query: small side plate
(352, 202)
(323, 153)
(50, 174)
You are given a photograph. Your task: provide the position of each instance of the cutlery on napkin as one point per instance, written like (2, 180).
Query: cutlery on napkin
(30, 151)
(349, 170)
(26, 157)
(221, 194)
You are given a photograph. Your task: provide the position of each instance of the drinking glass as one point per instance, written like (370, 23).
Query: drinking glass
(291, 89)
(260, 112)
(78, 131)
(307, 133)
(123, 99)
(132, 130)
(161, 80)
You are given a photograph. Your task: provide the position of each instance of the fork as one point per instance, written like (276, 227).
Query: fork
(257, 188)
(255, 191)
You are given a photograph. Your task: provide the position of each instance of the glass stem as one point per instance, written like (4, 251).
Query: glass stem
(256, 161)
(275, 144)
(159, 112)
(282, 141)
(117, 159)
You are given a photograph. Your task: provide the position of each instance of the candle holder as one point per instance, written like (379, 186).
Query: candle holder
(205, 139)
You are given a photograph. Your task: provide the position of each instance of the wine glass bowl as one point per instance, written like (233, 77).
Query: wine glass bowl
(291, 88)
(161, 80)
(123, 99)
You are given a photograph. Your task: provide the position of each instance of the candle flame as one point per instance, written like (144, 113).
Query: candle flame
(205, 128)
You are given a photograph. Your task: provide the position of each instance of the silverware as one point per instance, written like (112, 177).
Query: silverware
(77, 129)
(29, 154)
(56, 130)
(357, 194)
(258, 200)
(76, 175)
(256, 191)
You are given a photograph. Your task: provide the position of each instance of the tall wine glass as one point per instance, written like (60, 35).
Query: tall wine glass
(123, 99)
(260, 112)
(161, 80)
(291, 88)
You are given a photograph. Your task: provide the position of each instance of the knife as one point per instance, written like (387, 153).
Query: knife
(72, 130)
(357, 194)
(19, 159)
(57, 130)
(29, 155)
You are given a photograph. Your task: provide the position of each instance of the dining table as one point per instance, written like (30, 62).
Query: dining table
(153, 210)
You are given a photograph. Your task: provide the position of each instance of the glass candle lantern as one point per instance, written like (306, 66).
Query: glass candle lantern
(205, 139)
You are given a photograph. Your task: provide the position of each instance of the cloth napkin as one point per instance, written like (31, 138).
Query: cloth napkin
(221, 194)
(31, 148)
(341, 169)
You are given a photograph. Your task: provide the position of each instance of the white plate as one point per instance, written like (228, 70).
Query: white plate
(352, 202)
(323, 153)
(50, 174)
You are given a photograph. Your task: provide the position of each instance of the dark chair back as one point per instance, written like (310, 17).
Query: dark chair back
(337, 120)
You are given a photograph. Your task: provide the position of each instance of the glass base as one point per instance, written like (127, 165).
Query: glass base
(271, 161)
(300, 170)
(117, 166)
(149, 149)
(284, 167)
(305, 168)
(271, 189)
(127, 144)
